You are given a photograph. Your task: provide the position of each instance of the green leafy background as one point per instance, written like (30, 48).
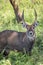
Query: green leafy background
(7, 21)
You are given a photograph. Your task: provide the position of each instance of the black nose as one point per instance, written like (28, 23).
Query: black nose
(31, 33)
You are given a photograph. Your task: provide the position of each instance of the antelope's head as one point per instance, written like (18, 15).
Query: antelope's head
(30, 28)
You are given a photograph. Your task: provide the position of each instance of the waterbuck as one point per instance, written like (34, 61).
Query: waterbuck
(20, 41)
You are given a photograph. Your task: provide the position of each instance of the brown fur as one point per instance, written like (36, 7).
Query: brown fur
(20, 41)
(12, 40)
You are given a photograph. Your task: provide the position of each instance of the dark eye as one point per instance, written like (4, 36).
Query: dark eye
(33, 27)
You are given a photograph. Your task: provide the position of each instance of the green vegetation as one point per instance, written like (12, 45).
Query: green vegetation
(7, 21)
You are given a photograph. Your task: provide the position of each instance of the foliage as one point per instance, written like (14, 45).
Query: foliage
(7, 21)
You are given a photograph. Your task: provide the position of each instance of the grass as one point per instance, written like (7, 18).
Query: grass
(7, 21)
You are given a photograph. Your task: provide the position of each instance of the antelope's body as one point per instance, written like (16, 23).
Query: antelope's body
(20, 41)
(12, 40)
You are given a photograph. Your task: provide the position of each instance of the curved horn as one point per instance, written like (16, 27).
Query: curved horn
(35, 15)
(35, 21)
(23, 14)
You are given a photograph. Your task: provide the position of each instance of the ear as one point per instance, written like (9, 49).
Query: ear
(25, 25)
(35, 24)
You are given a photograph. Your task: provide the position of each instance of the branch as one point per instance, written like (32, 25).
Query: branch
(18, 14)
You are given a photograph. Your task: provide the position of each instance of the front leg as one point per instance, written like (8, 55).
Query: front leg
(30, 53)
(26, 51)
